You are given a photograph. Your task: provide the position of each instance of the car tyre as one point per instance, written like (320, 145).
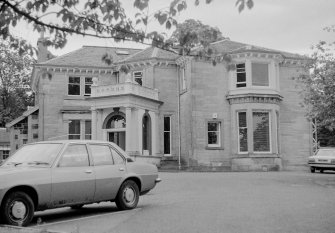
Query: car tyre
(18, 209)
(321, 170)
(128, 195)
(313, 169)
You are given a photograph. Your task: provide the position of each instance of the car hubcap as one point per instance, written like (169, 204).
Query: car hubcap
(129, 195)
(19, 210)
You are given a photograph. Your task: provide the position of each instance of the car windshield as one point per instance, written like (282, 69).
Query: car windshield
(326, 153)
(35, 154)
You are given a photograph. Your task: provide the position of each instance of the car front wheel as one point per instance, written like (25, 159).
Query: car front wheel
(128, 196)
(312, 169)
(18, 209)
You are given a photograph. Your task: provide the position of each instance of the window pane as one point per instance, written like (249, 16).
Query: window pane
(213, 138)
(261, 131)
(260, 74)
(88, 129)
(102, 155)
(74, 80)
(75, 156)
(243, 136)
(242, 119)
(74, 127)
(166, 123)
(167, 150)
(241, 77)
(118, 159)
(213, 126)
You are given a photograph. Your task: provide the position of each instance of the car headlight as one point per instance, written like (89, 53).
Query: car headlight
(311, 160)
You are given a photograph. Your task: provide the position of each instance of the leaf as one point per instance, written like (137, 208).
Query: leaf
(168, 24)
(250, 4)
(196, 2)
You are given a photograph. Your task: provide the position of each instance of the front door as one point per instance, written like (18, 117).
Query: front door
(118, 137)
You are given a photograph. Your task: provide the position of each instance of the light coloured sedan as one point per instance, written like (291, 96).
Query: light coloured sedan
(54, 174)
(323, 160)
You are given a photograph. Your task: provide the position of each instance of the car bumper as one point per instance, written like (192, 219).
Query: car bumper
(322, 165)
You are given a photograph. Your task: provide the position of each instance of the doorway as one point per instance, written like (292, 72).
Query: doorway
(118, 137)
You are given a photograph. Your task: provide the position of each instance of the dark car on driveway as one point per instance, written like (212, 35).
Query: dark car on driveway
(54, 174)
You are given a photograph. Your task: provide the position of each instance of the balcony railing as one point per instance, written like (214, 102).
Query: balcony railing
(124, 89)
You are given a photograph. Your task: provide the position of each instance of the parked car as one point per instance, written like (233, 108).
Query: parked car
(54, 174)
(323, 160)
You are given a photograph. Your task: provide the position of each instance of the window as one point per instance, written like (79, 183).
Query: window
(241, 77)
(16, 136)
(138, 77)
(34, 126)
(88, 84)
(242, 132)
(74, 86)
(88, 130)
(5, 154)
(75, 156)
(24, 141)
(261, 131)
(167, 135)
(118, 159)
(74, 129)
(260, 74)
(146, 133)
(116, 75)
(214, 134)
(35, 135)
(102, 155)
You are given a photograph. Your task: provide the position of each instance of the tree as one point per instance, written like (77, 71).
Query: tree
(97, 18)
(192, 34)
(319, 86)
(15, 94)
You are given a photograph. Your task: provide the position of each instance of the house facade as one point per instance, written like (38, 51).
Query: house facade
(239, 115)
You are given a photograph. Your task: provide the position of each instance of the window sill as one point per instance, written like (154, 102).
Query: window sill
(74, 97)
(214, 148)
(257, 155)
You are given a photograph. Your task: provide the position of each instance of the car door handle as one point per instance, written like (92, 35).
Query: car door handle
(88, 171)
(121, 169)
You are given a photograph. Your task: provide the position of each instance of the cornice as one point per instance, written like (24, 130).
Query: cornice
(254, 98)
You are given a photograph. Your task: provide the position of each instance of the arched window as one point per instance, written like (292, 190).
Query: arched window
(146, 123)
(116, 122)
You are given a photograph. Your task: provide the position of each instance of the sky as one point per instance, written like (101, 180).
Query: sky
(286, 25)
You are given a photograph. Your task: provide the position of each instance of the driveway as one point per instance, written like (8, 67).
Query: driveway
(213, 202)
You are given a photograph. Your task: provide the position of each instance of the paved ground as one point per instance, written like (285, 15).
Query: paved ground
(279, 202)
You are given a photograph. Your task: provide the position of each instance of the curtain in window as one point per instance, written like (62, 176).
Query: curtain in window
(260, 74)
(261, 131)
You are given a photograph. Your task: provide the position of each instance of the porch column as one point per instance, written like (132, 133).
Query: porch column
(154, 133)
(94, 124)
(140, 114)
(129, 130)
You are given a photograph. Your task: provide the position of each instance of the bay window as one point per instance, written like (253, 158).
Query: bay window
(242, 132)
(261, 131)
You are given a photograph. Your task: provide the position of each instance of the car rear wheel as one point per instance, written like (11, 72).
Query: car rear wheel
(312, 169)
(128, 196)
(18, 209)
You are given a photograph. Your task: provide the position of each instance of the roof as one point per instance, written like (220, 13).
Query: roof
(151, 53)
(23, 116)
(228, 46)
(90, 56)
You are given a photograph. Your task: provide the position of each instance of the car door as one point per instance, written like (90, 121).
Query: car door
(109, 172)
(73, 179)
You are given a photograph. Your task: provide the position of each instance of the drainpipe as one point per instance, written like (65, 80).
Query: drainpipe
(178, 113)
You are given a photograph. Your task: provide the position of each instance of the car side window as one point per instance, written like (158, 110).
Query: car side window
(75, 156)
(102, 155)
(118, 159)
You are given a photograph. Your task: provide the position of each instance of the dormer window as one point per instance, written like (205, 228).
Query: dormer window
(138, 77)
(241, 75)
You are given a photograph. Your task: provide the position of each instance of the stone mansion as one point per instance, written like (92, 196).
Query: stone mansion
(174, 107)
